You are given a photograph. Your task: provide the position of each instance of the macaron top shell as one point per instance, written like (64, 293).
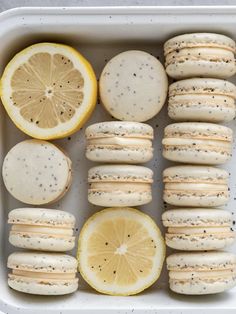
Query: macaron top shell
(193, 217)
(206, 86)
(200, 261)
(199, 130)
(199, 40)
(119, 128)
(120, 173)
(199, 174)
(42, 262)
(41, 217)
(133, 86)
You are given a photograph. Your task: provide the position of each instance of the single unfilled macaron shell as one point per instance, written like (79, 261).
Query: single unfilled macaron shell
(42, 273)
(197, 143)
(133, 86)
(36, 172)
(195, 186)
(198, 229)
(202, 99)
(42, 229)
(200, 54)
(120, 185)
(201, 273)
(119, 142)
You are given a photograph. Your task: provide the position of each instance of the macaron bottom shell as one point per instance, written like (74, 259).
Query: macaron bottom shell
(41, 286)
(202, 286)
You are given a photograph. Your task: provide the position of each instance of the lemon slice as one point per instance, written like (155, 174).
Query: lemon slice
(121, 251)
(49, 90)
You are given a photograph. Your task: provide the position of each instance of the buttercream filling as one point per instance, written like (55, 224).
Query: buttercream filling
(198, 186)
(197, 230)
(42, 230)
(120, 186)
(121, 141)
(181, 141)
(179, 275)
(42, 275)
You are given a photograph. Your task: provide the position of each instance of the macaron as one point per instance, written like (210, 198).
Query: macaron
(198, 229)
(200, 54)
(133, 86)
(197, 143)
(119, 142)
(199, 273)
(36, 172)
(202, 99)
(42, 229)
(42, 273)
(120, 185)
(195, 186)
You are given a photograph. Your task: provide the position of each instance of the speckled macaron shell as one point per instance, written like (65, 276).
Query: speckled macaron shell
(195, 186)
(120, 185)
(133, 86)
(42, 273)
(202, 99)
(197, 143)
(119, 142)
(201, 273)
(42, 229)
(200, 54)
(36, 172)
(198, 229)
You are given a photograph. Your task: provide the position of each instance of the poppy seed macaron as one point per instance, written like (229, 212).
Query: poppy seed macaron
(202, 99)
(200, 54)
(119, 142)
(198, 273)
(197, 142)
(133, 86)
(198, 229)
(195, 186)
(36, 172)
(42, 229)
(120, 185)
(42, 273)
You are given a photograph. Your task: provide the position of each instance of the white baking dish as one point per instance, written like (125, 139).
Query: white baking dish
(100, 33)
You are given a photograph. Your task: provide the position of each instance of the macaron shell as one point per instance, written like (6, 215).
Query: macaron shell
(42, 287)
(133, 86)
(46, 184)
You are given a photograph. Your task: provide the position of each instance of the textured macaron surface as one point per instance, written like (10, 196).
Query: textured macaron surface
(202, 99)
(200, 54)
(133, 86)
(36, 172)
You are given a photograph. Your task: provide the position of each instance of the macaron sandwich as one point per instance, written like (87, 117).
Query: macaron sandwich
(42, 229)
(196, 142)
(200, 54)
(42, 273)
(120, 185)
(119, 142)
(198, 229)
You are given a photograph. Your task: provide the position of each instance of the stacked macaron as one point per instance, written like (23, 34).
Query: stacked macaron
(37, 172)
(200, 99)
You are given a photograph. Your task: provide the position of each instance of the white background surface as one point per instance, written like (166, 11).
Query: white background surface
(7, 4)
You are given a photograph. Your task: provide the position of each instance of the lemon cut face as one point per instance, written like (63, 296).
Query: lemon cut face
(121, 251)
(49, 90)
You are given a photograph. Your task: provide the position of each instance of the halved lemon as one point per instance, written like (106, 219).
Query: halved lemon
(49, 90)
(121, 251)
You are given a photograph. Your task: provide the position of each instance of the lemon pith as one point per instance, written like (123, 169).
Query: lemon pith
(49, 90)
(121, 251)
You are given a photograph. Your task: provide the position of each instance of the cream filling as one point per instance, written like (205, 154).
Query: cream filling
(42, 275)
(120, 186)
(180, 141)
(196, 187)
(179, 275)
(42, 230)
(199, 230)
(116, 140)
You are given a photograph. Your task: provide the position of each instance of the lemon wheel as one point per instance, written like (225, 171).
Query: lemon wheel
(49, 90)
(121, 251)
